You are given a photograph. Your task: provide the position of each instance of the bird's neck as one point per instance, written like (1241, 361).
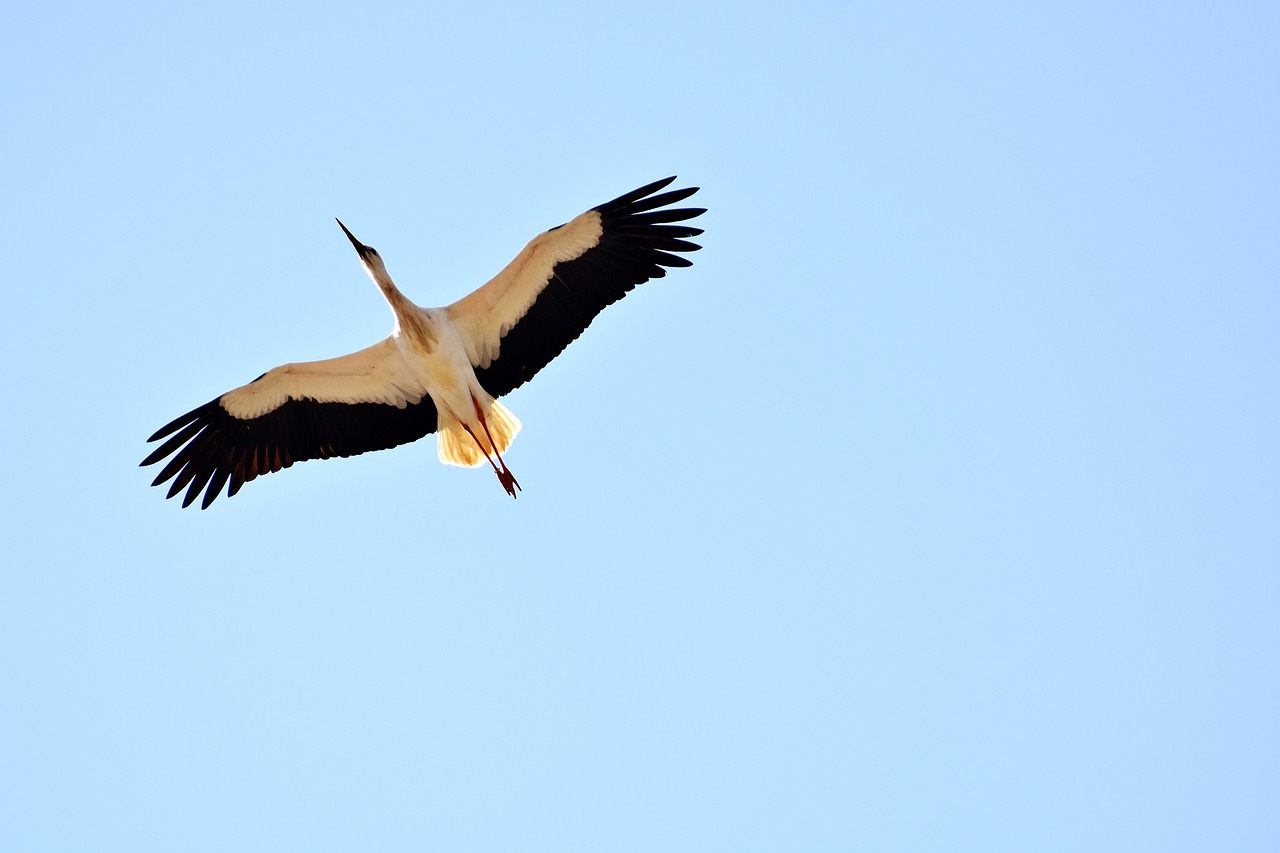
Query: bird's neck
(411, 320)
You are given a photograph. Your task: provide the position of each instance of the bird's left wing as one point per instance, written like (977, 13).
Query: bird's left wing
(526, 315)
(368, 400)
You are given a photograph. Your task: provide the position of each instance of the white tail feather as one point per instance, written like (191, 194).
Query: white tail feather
(457, 447)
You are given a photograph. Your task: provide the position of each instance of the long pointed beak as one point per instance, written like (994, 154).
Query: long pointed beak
(361, 248)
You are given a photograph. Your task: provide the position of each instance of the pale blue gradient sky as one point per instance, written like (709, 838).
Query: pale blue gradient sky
(934, 508)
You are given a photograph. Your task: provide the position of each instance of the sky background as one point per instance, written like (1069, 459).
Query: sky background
(934, 508)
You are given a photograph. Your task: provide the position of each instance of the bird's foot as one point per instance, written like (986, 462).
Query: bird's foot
(508, 481)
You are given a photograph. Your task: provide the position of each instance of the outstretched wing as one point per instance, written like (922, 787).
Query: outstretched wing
(525, 316)
(369, 400)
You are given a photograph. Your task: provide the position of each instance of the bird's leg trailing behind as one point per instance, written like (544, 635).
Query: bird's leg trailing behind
(480, 436)
(505, 476)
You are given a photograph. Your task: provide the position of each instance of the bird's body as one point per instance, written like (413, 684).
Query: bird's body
(441, 369)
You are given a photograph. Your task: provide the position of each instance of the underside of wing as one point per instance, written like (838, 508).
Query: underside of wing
(311, 410)
(525, 316)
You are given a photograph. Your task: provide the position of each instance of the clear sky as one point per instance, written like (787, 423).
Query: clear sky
(934, 508)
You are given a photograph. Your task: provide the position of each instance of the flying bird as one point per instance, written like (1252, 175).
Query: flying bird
(442, 369)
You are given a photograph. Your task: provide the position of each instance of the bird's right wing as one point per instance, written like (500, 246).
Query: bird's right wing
(368, 400)
(525, 316)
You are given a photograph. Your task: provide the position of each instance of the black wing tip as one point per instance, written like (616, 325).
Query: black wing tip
(184, 420)
(643, 193)
(217, 453)
(648, 189)
(173, 426)
(642, 220)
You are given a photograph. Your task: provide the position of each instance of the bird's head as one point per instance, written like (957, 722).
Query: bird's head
(368, 255)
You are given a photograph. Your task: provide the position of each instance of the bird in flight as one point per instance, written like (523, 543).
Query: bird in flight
(441, 369)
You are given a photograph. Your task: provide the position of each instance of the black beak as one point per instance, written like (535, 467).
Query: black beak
(360, 247)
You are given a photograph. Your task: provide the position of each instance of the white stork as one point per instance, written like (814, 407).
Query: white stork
(442, 368)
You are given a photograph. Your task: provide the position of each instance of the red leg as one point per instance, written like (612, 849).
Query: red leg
(505, 476)
(480, 444)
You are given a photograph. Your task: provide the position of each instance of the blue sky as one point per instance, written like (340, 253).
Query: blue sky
(934, 508)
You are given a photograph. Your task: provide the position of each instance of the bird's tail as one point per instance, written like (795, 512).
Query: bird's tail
(457, 447)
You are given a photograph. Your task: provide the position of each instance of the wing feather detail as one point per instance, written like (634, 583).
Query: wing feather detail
(377, 374)
(525, 316)
(346, 406)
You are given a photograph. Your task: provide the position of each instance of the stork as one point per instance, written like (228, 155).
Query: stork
(441, 369)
